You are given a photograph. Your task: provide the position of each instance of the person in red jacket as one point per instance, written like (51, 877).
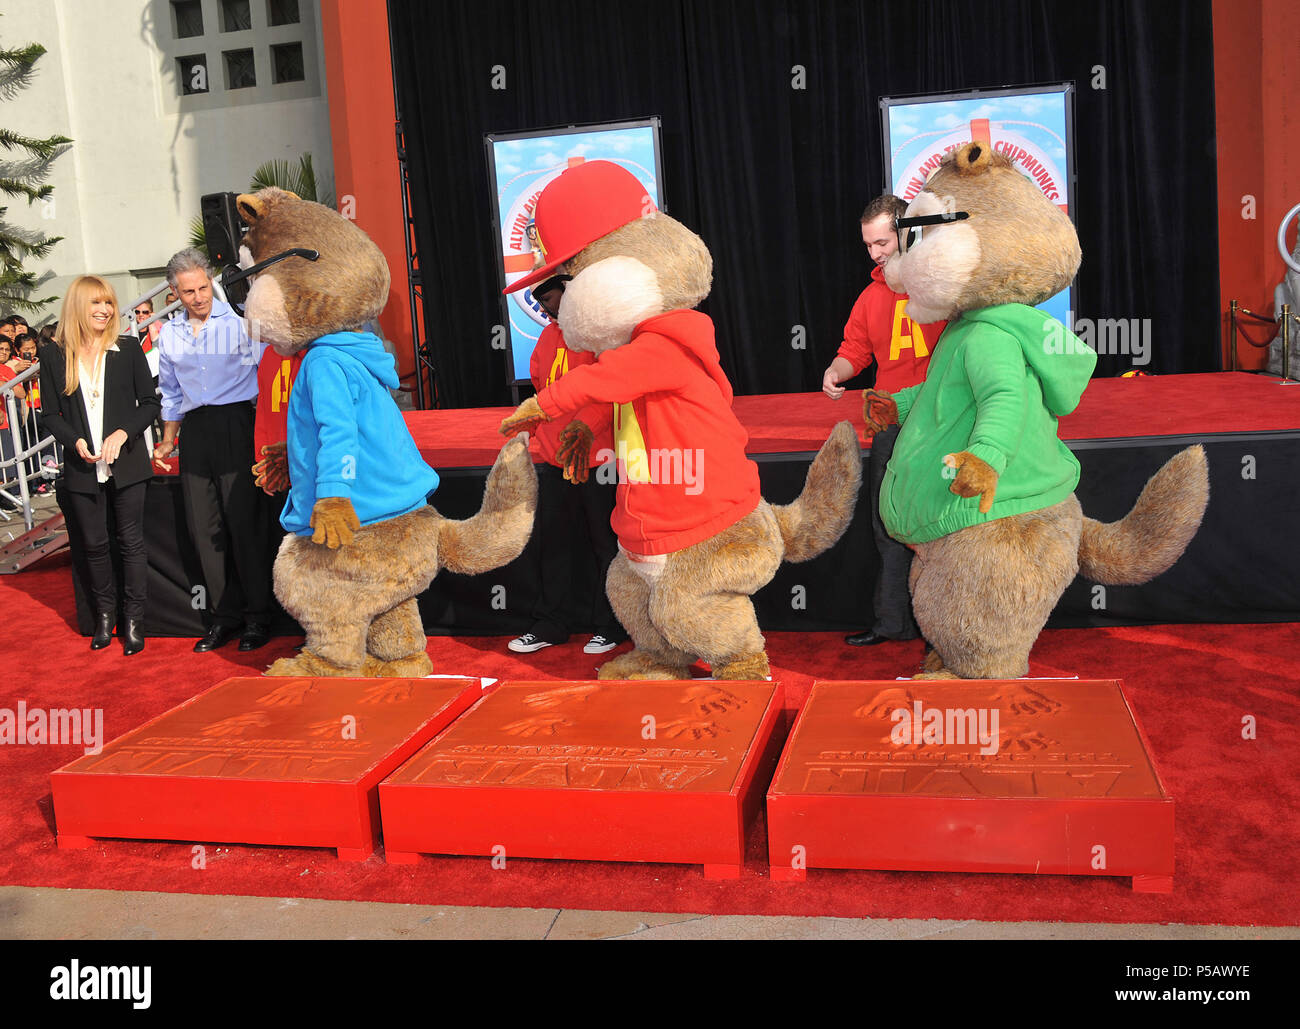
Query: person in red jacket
(573, 507)
(879, 332)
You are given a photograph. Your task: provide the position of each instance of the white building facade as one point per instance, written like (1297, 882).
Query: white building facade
(165, 101)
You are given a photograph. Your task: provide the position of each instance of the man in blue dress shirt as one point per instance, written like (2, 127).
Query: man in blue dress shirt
(208, 376)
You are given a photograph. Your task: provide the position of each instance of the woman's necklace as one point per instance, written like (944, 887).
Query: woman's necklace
(96, 375)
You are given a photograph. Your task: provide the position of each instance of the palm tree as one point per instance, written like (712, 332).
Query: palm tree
(300, 180)
(18, 246)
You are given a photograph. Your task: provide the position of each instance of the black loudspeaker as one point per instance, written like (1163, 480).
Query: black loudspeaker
(221, 227)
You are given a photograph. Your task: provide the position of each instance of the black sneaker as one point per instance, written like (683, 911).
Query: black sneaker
(527, 644)
(599, 644)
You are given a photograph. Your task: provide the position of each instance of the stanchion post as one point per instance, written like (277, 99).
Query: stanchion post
(1286, 341)
(1232, 336)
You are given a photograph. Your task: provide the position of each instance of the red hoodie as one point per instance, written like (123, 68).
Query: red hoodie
(552, 359)
(275, 375)
(878, 329)
(683, 473)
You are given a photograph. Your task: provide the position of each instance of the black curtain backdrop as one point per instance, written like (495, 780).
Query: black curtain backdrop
(773, 177)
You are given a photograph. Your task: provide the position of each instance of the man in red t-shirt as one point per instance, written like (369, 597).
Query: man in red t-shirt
(879, 332)
(275, 375)
(573, 506)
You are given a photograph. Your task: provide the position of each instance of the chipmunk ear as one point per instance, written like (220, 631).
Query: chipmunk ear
(973, 158)
(252, 207)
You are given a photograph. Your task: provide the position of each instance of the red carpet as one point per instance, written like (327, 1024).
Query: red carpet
(1153, 405)
(1191, 686)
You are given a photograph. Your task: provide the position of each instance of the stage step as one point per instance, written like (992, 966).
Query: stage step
(1039, 776)
(288, 762)
(593, 771)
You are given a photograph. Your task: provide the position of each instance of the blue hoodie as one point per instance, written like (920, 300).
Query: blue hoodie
(347, 437)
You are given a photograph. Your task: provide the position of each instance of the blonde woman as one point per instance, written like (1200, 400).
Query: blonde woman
(98, 397)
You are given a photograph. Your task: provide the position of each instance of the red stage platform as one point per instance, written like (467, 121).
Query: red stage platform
(598, 771)
(918, 776)
(787, 423)
(290, 762)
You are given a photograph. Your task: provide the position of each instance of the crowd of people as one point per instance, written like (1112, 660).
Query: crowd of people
(117, 402)
(19, 347)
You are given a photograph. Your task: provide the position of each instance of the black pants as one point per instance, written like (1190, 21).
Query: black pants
(87, 515)
(572, 526)
(892, 602)
(227, 514)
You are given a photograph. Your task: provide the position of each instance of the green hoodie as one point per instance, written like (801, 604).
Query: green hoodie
(999, 379)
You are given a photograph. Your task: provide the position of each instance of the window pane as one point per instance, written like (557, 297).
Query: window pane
(193, 73)
(235, 16)
(287, 62)
(239, 69)
(189, 18)
(282, 12)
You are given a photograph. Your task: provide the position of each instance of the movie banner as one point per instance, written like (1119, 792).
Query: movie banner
(520, 165)
(1032, 125)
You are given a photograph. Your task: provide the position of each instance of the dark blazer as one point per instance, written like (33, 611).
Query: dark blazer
(130, 403)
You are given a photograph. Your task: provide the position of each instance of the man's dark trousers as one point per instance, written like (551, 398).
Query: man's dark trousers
(227, 513)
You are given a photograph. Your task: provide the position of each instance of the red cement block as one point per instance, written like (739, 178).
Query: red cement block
(896, 775)
(595, 771)
(290, 762)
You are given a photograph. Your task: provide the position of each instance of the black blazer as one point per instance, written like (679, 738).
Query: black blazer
(130, 403)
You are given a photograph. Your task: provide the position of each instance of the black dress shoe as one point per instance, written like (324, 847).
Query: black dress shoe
(103, 632)
(133, 637)
(866, 638)
(255, 635)
(217, 636)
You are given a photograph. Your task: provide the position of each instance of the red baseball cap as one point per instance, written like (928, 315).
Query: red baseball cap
(586, 202)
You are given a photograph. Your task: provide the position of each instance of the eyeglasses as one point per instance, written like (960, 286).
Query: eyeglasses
(911, 230)
(141, 312)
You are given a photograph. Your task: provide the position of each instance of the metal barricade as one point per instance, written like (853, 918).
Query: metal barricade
(29, 459)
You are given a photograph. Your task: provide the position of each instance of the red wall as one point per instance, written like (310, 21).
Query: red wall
(1257, 108)
(359, 83)
(1257, 105)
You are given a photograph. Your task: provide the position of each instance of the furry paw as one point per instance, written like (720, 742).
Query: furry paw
(416, 666)
(974, 478)
(307, 663)
(750, 667)
(879, 411)
(526, 417)
(637, 664)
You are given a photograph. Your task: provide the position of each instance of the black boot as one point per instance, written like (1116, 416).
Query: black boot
(133, 636)
(103, 632)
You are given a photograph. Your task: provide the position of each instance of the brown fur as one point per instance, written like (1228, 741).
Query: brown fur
(1152, 536)
(817, 519)
(356, 603)
(680, 260)
(344, 289)
(1016, 247)
(982, 595)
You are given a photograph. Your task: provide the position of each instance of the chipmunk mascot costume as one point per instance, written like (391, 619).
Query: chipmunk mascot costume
(362, 542)
(696, 538)
(979, 485)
